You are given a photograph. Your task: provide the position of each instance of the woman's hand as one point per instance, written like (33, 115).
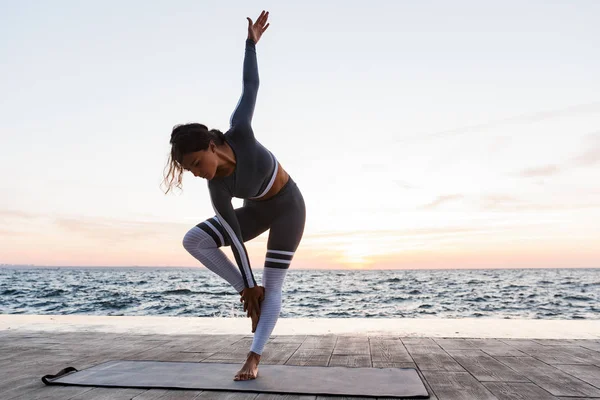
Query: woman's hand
(252, 297)
(255, 30)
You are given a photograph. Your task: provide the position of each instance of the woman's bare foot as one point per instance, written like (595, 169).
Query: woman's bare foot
(250, 368)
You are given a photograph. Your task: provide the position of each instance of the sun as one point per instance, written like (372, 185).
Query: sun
(356, 254)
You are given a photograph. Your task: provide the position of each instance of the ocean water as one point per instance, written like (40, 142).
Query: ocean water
(197, 292)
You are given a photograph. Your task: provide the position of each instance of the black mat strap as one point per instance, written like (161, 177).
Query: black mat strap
(48, 379)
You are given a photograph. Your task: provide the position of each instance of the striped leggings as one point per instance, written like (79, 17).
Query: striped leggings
(284, 216)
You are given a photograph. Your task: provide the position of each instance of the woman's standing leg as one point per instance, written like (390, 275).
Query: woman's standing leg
(284, 237)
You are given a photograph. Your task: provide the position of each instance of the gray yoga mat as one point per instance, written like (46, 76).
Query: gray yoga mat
(283, 379)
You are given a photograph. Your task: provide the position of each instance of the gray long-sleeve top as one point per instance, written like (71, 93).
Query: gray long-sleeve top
(255, 170)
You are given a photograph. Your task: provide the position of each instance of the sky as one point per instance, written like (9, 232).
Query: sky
(430, 134)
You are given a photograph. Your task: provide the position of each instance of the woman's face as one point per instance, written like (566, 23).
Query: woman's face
(202, 163)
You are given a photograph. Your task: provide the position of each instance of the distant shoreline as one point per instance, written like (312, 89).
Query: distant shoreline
(20, 266)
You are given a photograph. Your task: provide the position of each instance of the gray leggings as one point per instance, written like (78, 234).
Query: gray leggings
(283, 214)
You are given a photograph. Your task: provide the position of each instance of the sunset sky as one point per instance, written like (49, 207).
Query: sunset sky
(429, 134)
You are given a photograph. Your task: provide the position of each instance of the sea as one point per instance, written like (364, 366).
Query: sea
(197, 292)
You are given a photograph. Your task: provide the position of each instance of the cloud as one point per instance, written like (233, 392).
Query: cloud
(588, 158)
(94, 227)
(373, 167)
(17, 214)
(9, 233)
(591, 155)
(404, 184)
(523, 118)
(593, 136)
(441, 200)
(118, 229)
(394, 233)
(546, 170)
(500, 202)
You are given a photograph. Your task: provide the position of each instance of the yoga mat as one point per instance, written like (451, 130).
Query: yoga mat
(282, 379)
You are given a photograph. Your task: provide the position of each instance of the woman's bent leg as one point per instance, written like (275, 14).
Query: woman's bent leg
(203, 247)
(203, 242)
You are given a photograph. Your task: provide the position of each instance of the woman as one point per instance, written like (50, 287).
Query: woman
(235, 164)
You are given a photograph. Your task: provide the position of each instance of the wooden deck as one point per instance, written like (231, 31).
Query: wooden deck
(451, 368)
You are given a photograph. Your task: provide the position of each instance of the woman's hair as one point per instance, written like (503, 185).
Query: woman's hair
(187, 138)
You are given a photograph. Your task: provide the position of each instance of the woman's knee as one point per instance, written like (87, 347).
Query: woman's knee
(197, 239)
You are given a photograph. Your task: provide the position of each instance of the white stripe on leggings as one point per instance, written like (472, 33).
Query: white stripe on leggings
(278, 260)
(234, 240)
(287, 253)
(216, 231)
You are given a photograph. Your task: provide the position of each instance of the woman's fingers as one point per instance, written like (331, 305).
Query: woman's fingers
(262, 19)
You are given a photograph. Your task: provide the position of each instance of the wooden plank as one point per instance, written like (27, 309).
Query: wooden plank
(493, 347)
(340, 398)
(352, 361)
(587, 373)
(271, 396)
(213, 343)
(418, 341)
(156, 354)
(557, 342)
(549, 378)
(316, 357)
(518, 390)
(50, 393)
(352, 346)
(18, 371)
(386, 364)
(587, 356)
(576, 398)
(106, 394)
(151, 394)
(548, 354)
(388, 351)
(319, 341)
(222, 395)
(19, 387)
(278, 354)
(101, 393)
(589, 344)
(180, 394)
(523, 344)
(566, 355)
(182, 356)
(227, 358)
(485, 368)
(287, 339)
(429, 356)
(457, 386)
(465, 344)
